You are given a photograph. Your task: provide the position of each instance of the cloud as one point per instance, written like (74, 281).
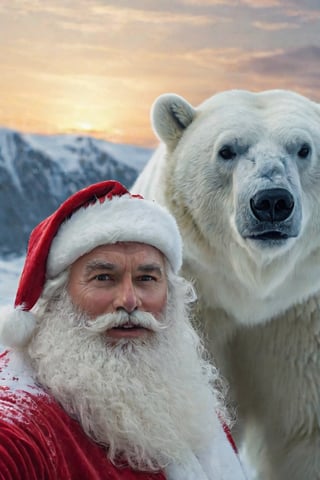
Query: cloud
(95, 15)
(26, 7)
(303, 15)
(296, 69)
(259, 4)
(109, 60)
(293, 62)
(271, 27)
(134, 15)
(208, 3)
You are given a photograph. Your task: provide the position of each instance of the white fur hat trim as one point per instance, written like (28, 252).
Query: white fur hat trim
(121, 219)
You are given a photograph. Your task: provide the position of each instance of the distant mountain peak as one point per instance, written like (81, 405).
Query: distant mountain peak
(38, 172)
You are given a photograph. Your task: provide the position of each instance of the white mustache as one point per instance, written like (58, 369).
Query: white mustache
(120, 318)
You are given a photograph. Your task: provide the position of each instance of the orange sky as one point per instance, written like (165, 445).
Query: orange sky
(94, 66)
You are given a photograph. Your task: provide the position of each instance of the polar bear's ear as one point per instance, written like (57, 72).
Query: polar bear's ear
(170, 116)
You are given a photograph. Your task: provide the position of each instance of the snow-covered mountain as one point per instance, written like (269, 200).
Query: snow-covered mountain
(10, 269)
(38, 172)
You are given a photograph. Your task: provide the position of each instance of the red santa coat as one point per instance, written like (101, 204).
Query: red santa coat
(40, 441)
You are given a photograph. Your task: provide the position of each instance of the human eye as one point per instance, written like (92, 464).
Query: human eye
(149, 273)
(148, 278)
(101, 277)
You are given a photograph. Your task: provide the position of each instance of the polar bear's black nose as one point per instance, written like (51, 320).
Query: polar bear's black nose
(272, 205)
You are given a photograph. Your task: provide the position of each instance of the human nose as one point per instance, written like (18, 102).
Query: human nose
(126, 297)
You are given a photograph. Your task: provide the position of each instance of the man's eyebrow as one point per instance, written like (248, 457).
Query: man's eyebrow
(150, 268)
(99, 265)
(111, 267)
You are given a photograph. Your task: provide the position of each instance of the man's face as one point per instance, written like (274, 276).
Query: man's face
(118, 383)
(123, 276)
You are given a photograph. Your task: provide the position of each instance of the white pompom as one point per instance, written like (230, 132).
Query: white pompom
(16, 327)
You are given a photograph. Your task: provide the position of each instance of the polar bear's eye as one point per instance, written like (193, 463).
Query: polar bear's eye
(227, 152)
(304, 151)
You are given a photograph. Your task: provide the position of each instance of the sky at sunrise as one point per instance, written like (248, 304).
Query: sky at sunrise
(96, 67)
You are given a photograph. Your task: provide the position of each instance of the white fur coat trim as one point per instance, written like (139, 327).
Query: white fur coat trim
(217, 462)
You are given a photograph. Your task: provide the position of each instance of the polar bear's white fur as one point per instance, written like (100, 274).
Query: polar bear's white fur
(241, 174)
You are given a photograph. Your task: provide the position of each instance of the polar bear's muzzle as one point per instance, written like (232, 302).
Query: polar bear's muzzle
(272, 205)
(269, 217)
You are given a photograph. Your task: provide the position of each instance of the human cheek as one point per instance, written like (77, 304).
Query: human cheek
(155, 301)
(97, 302)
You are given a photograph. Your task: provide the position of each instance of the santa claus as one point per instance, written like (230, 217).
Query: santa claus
(104, 376)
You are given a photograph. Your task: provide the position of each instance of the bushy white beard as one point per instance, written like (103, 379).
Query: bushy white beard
(148, 401)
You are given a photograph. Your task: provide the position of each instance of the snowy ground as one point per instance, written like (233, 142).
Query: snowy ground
(9, 276)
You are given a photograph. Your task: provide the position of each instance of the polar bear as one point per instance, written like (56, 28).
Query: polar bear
(241, 174)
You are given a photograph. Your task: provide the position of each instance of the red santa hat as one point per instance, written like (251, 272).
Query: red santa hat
(103, 213)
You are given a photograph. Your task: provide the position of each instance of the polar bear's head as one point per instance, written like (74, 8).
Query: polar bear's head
(243, 180)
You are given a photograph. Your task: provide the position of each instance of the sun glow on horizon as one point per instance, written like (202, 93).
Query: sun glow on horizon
(83, 125)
